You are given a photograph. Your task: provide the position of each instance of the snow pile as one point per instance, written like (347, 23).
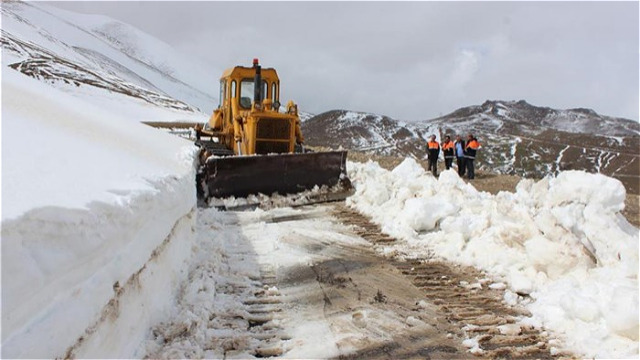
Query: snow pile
(317, 194)
(96, 224)
(559, 241)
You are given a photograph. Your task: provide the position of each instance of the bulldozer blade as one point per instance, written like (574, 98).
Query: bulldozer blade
(284, 174)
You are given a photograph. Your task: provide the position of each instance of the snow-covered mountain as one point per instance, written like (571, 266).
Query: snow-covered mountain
(90, 53)
(304, 116)
(366, 132)
(516, 137)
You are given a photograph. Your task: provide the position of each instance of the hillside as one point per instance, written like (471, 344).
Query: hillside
(93, 56)
(366, 132)
(517, 138)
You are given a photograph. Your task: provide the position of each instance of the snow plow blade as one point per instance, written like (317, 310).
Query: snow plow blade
(240, 176)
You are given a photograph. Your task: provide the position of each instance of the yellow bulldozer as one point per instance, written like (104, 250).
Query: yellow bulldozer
(250, 146)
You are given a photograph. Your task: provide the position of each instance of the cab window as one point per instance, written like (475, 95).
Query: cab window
(246, 92)
(274, 92)
(265, 88)
(233, 89)
(223, 95)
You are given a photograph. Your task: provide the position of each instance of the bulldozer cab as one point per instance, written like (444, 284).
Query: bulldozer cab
(248, 119)
(237, 87)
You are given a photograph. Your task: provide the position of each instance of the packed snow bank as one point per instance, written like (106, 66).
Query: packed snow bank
(91, 205)
(559, 241)
(61, 151)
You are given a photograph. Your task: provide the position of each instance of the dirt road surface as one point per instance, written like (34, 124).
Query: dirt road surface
(311, 283)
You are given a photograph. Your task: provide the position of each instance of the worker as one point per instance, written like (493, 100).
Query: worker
(459, 145)
(447, 149)
(470, 154)
(433, 150)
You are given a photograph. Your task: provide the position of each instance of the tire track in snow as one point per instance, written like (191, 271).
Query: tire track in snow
(229, 307)
(492, 328)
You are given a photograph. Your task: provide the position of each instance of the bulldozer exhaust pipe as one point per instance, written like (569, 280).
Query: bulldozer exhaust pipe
(257, 83)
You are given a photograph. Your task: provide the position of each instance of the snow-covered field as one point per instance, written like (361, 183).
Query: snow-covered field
(560, 244)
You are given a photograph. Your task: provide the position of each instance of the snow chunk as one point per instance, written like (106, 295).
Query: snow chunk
(413, 321)
(510, 329)
(595, 189)
(498, 286)
(422, 214)
(622, 313)
(408, 169)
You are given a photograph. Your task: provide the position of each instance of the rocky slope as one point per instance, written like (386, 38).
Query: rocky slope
(517, 138)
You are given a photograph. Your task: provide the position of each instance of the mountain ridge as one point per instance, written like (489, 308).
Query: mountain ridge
(517, 138)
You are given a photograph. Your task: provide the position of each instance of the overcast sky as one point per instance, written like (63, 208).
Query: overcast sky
(411, 60)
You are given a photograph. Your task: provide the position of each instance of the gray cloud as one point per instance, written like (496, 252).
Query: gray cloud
(411, 60)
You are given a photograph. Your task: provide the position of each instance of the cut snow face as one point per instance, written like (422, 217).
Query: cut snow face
(88, 197)
(68, 153)
(560, 244)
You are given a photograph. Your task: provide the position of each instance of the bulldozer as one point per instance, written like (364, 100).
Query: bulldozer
(249, 146)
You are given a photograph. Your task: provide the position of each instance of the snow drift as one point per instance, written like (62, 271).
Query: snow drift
(559, 241)
(97, 216)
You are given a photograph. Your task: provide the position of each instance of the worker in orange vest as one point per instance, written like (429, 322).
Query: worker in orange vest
(433, 150)
(470, 151)
(447, 149)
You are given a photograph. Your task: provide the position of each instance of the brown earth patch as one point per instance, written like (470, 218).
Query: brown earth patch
(632, 209)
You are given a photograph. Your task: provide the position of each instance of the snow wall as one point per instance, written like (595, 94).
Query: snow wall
(560, 245)
(98, 216)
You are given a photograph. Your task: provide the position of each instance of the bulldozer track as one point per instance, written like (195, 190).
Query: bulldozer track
(464, 299)
(264, 309)
(263, 336)
(363, 227)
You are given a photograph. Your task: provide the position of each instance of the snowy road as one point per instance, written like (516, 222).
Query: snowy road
(311, 283)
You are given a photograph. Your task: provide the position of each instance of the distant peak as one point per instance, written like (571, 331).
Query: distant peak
(584, 111)
(520, 103)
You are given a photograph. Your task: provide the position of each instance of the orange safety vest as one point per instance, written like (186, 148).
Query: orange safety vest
(433, 145)
(473, 144)
(447, 145)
